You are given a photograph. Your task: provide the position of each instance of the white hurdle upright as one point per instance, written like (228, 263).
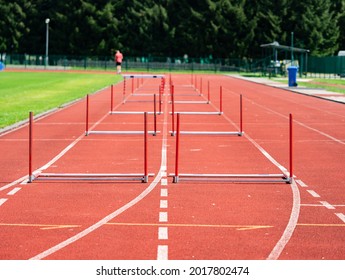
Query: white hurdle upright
(236, 178)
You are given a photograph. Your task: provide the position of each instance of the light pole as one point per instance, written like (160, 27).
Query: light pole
(47, 40)
(292, 58)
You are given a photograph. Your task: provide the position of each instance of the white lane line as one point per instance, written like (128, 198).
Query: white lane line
(2, 201)
(14, 191)
(57, 157)
(163, 204)
(296, 199)
(100, 223)
(162, 233)
(341, 216)
(164, 192)
(290, 228)
(301, 183)
(313, 193)
(163, 217)
(327, 205)
(16, 182)
(162, 252)
(111, 216)
(164, 182)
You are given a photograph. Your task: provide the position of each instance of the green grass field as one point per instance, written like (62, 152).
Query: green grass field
(22, 92)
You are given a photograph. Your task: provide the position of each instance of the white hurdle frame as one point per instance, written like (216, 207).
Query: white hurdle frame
(121, 132)
(142, 177)
(235, 178)
(238, 133)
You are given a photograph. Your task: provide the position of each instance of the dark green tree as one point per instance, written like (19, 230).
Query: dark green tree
(315, 26)
(12, 24)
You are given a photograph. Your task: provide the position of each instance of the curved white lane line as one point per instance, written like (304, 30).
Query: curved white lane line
(99, 223)
(117, 212)
(296, 199)
(278, 249)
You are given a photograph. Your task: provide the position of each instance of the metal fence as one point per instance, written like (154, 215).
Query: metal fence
(314, 66)
(130, 63)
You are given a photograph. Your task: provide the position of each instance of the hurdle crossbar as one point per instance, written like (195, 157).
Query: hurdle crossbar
(238, 133)
(191, 102)
(92, 177)
(143, 177)
(154, 113)
(244, 178)
(121, 132)
(211, 133)
(196, 113)
(131, 76)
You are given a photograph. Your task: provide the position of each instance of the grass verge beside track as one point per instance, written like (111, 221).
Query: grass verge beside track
(22, 92)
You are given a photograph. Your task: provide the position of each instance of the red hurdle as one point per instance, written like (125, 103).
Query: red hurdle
(143, 177)
(291, 148)
(286, 177)
(30, 146)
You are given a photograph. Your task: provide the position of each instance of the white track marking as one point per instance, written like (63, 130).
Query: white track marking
(162, 233)
(162, 252)
(14, 191)
(341, 216)
(99, 223)
(2, 201)
(16, 182)
(278, 249)
(301, 183)
(63, 152)
(313, 193)
(163, 217)
(304, 125)
(164, 181)
(164, 192)
(111, 216)
(163, 204)
(327, 205)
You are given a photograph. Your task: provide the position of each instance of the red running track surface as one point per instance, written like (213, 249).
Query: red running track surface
(189, 220)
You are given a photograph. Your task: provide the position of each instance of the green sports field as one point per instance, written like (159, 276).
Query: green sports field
(22, 92)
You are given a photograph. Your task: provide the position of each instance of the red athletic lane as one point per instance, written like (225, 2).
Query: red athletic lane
(199, 219)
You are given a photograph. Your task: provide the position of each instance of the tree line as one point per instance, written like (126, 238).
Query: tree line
(198, 28)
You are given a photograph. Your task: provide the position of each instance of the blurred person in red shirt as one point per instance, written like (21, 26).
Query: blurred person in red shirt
(118, 61)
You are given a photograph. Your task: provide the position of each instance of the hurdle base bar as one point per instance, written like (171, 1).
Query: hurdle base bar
(197, 113)
(232, 178)
(120, 132)
(132, 113)
(92, 177)
(212, 133)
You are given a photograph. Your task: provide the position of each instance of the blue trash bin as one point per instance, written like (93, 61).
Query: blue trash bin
(2, 66)
(292, 75)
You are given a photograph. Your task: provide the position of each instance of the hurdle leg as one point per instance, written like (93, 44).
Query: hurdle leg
(146, 176)
(208, 93)
(221, 100)
(111, 98)
(160, 99)
(31, 177)
(290, 148)
(87, 116)
(173, 111)
(154, 116)
(241, 116)
(124, 90)
(176, 176)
